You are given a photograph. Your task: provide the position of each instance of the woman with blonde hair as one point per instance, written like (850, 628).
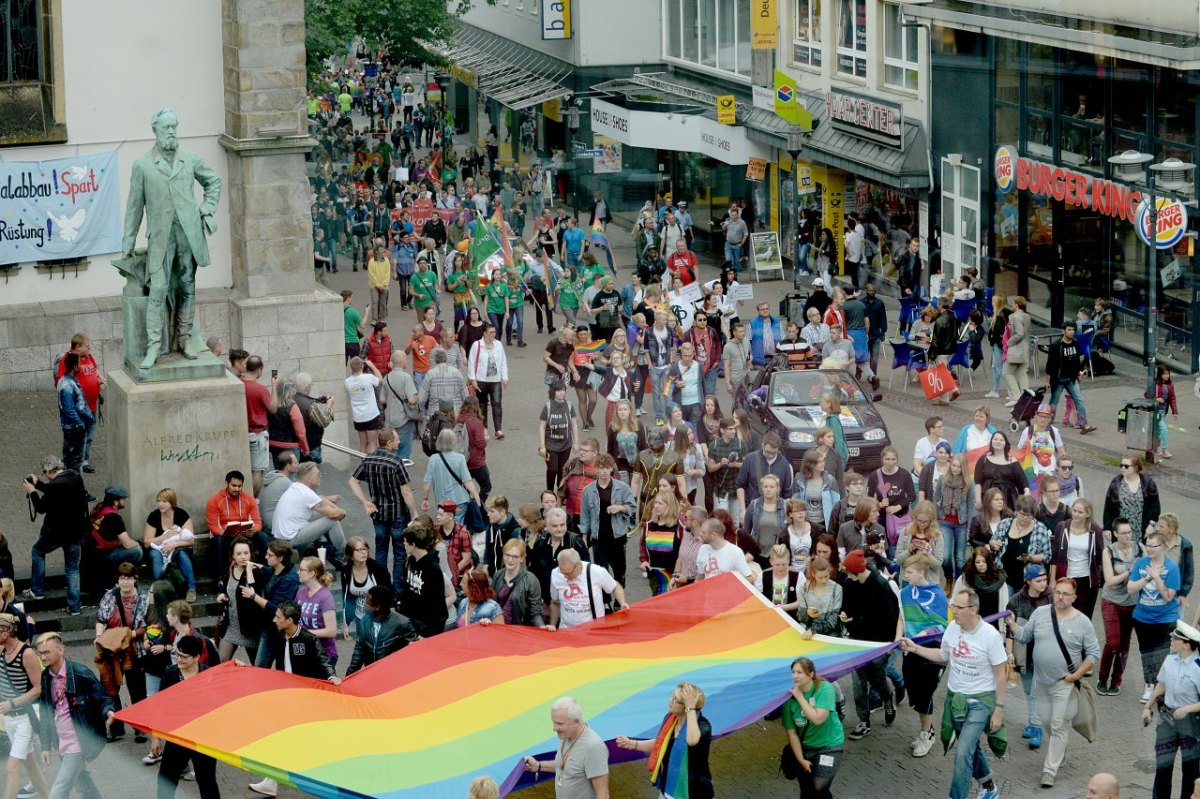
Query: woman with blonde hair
(685, 738)
(518, 592)
(922, 536)
(658, 549)
(626, 438)
(483, 788)
(780, 582)
(318, 610)
(169, 535)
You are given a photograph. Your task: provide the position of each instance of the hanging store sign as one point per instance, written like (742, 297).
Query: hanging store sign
(727, 109)
(1098, 194)
(677, 132)
(764, 31)
(556, 19)
(866, 117)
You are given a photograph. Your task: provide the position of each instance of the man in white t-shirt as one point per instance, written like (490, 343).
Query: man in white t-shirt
(364, 407)
(303, 516)
(577, 590)
(977, 683)
(716, 555)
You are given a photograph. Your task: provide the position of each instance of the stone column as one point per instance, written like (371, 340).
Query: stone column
(277, 309)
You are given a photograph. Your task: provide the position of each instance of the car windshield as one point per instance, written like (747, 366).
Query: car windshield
(806, 387)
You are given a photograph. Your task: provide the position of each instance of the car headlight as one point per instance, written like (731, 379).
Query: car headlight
(798, 437)
(878, 434)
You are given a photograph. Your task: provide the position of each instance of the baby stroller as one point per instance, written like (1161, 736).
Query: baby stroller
(1026, 407)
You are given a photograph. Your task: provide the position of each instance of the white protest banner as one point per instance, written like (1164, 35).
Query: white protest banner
(741, 291)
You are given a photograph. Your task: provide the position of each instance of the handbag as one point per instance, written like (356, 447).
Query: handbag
(474, 519)
(1085, 721)
(789, 766)
(320, 414)
(937, 381)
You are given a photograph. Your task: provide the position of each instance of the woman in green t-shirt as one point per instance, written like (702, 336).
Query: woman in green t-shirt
(814, 729)
(567, 294)
(424, 287)
(497, 300)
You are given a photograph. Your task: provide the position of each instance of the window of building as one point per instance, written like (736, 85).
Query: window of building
(709, 33)
(806, 50)
(901, 57)
(32, 104)
(852, 38)
(960, 217)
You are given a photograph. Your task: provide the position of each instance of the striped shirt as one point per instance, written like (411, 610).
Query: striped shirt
(15, 680)
(442, 382)
(385, 476)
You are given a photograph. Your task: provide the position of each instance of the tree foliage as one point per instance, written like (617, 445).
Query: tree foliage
(407, 30)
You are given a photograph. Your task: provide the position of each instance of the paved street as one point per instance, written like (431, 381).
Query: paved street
(744, 764)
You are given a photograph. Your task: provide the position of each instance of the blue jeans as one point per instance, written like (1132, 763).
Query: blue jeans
(658, 378)
(405, 431)
(516, 323)
(733, 254)
(802, 261)
(266, 647)
(87, 442)
(40, 549)
(182, 559)
(72, 448)
(497, 320)
(955, 536)
(313, 455)
(391, 533)
(997, 367)
(1072, 388)
(118, 555)
(74, 773)
(708, 382)
(969, 758)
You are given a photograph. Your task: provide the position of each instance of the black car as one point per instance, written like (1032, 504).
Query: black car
(788, 401)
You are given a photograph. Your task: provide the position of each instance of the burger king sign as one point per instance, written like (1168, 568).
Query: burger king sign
(1005, 166)
(1171, 222)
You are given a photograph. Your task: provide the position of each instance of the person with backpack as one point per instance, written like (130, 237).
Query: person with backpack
(812, 717)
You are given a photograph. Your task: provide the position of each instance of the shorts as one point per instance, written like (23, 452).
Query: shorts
(260, 452)
(374, 424)
(921, 678)
(20, 735)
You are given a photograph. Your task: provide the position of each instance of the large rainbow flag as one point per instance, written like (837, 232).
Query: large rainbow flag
(424, 722)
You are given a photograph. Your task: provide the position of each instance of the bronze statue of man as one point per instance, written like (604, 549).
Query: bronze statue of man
(162, 187)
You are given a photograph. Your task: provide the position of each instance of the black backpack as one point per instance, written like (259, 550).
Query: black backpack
(436, 424)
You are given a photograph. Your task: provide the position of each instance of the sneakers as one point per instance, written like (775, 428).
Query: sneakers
(861, 731)
(989, 793)
(1047, 779)
(191, 595)
(889, 711)
(923, 743)
(1010, 403)
(641, 411)
(29, 594)
(1146, 694)
(27, 791)
(190, 774)
(992, 395)
(1083, 431)
(1027, 731)
(266, 787)
(1035, 738)
(1113, 689)
(151, 759)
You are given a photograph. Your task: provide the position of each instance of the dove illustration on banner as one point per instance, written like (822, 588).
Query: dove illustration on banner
(68, 226)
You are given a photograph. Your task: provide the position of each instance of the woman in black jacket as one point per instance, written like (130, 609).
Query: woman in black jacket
(685, 720)
(381, 632)
(360, 573)
(1129, 492)
(779, 581)
(517, 590)
(279, 583)
(241, 620)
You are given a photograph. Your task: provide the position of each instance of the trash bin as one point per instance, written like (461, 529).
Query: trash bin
(1137, 421)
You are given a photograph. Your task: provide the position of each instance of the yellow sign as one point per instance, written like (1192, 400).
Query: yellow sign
(833, 210)
(756, 169)
(463, 75)
(552, 109)
(764, 31)
(726, 109)
(787, 101)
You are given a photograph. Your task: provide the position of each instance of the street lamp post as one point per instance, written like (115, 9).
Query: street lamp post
(795, 143)
(1171, 174)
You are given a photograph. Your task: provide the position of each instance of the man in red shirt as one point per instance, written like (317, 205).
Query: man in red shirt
(231, 513)
(260, 403)
(92, 383)
(683, 262)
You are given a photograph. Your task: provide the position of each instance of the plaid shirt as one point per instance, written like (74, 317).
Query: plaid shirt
(442, 382)
(458, 544)
(385, 476)
(1039, 539)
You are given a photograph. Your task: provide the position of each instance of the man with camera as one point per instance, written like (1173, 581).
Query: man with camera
(60, 496)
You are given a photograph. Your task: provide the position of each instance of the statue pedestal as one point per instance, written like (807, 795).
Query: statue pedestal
(183, 435)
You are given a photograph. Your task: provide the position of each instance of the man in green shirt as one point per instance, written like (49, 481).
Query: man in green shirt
(458, 283)
(516, 309)
(353, 321)
(423, 284)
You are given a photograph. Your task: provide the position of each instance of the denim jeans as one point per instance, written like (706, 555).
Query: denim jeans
(87, 442)
(1035, 718)
(658, 378)
(405, 431)
(516, 324)
(74, 773)
(955, 536)
(1072, 388)
(708, 382)
(40, 549)
(118, 555)
(870, 676)
(969, 758)
(997, 367)
(391, 533)
(733, 254)
(182, 559)
(266, 647)
(72, 447)
(313, 455)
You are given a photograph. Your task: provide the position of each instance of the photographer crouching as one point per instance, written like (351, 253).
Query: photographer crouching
(60, 497)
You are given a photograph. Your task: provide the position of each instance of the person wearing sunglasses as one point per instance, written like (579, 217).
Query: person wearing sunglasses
(1069, 482)
(1132, 495)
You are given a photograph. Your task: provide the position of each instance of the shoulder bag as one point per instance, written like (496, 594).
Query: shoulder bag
(474, 519)
(1085, 721)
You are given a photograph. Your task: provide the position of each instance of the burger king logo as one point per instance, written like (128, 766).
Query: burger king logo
(1171, 222)
(1005, 167)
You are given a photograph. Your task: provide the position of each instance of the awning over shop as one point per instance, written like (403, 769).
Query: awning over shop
(512, 75)
(680, 132)
(905, 167)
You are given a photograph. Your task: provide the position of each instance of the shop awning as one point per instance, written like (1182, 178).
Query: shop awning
(905, 167)
(512, 75)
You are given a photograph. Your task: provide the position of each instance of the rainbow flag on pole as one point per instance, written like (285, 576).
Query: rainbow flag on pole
(600, 239)
(424, 722)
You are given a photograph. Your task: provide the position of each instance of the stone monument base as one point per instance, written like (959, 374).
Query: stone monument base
(183, 435)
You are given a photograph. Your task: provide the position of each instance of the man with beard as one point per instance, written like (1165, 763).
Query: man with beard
(176, 225)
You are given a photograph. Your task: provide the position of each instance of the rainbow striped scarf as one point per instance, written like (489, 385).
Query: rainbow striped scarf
(673, 780)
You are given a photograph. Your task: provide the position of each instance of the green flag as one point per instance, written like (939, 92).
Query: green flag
(484, 244)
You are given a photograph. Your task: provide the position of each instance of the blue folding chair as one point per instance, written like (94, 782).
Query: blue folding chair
(963, 308)
(904, 356)
(910, 309)
(962, 357)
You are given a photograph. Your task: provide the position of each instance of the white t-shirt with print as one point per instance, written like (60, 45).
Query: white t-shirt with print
(971, 656)
(710, 562)
(361, 388)
(572, 595)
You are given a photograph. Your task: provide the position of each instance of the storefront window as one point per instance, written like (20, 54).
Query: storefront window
(709, 33)
(1040, 83)
(807, 49)
(690, 29)
(901, 57)
(852, 38)
(1039, 135)
(1008, 71)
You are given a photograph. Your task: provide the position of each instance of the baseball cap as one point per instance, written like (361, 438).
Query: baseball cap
(1046, 409)
(448, 505)
(819, 282)
(855, 562)
(1034, 571)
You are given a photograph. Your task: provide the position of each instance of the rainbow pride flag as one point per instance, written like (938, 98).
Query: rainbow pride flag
(1024, 456)
(421, 724)
(592, 348)
(600, 239)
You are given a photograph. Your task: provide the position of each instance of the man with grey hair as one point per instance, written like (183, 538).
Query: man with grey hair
(60, 496)
(442, 382)
(1103, 786)
(161, 187)
(581, 764)
(400, 402)
(313, 432)
(552, 541)
(577, 590)
(303, 516)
